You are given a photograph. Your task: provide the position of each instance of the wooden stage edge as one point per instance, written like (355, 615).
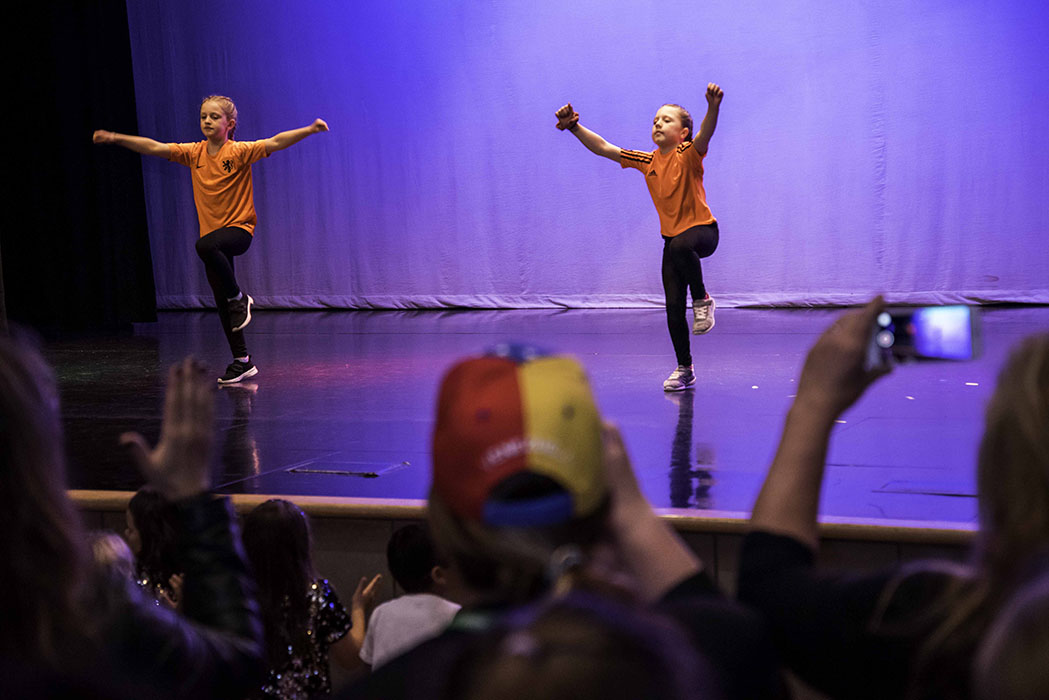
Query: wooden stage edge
(683, 520)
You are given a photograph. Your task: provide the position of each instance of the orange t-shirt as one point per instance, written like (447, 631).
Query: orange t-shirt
(675, 182)
(222, 182)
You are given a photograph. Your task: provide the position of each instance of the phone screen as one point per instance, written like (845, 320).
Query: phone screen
(931, 333)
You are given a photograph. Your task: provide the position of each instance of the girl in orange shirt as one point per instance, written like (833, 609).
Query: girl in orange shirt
(674, 175)
(222, 191)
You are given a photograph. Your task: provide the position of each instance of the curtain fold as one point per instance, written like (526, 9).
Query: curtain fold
(891, 147)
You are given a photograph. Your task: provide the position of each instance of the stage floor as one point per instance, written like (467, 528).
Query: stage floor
(343, 404)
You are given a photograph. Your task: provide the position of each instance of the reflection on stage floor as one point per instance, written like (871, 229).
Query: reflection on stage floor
(343, 404)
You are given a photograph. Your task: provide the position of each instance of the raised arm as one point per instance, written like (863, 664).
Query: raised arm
(347, 651)
(710, 122)
(650, 548)
(290, 138)
(831, 381)
(568, 120)
(214, 648)
(138, 144)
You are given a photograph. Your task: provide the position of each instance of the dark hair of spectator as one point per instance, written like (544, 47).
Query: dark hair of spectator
(154, 519)
(42, 540)
(411, 556)
(279, 546)
(579, 647)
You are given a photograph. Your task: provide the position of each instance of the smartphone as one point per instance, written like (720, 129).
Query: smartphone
(924, 333)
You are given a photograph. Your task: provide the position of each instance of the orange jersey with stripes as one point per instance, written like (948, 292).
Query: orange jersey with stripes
(222, 187)
(675, 182)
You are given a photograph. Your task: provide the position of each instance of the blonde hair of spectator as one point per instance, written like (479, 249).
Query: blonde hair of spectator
(1013, 494)
(1010, 664)
(111, 552)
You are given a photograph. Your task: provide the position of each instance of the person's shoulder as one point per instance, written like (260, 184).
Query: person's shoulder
(191, 148)
(688, 151)
(322, 587)
(415, 604)
(387, 606)
(421, 672)
(246, 145)
(322, 595)
(432, 602)
(248, 151)
(924, 581)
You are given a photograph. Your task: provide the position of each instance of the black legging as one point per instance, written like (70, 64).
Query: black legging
(217, 250)
(682, 271)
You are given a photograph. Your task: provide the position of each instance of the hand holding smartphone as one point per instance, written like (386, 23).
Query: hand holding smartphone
(924, 333)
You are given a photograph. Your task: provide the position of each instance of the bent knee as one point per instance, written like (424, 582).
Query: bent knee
(204, 247)
(680, 248)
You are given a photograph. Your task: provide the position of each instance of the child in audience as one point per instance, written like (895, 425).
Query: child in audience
(304, 620)
(423, 612)
(150, 533)
(111, 552)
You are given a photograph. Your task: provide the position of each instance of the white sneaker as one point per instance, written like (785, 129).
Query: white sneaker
(680, 379)
(702, 316)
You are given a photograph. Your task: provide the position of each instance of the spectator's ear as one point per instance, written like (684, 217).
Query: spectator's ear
(439, 576)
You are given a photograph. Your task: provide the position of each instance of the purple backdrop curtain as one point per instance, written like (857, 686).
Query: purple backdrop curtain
(863, 146)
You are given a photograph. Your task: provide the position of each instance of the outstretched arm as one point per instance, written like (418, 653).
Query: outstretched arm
(568, 120)
(832, 380)
(138, 144)
(290, 138)
(710, 122)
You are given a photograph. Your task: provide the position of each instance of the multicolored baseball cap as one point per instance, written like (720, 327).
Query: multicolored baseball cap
(518, 440)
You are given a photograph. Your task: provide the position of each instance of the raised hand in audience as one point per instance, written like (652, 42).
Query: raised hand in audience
(833, 379)
(653, 553)
(364, 595)
(361, 605)
(178, 468)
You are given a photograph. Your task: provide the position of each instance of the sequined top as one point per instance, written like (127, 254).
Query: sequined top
(160, 593)
(306, 674)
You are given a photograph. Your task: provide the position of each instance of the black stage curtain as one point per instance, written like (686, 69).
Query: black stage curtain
(74, 238)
